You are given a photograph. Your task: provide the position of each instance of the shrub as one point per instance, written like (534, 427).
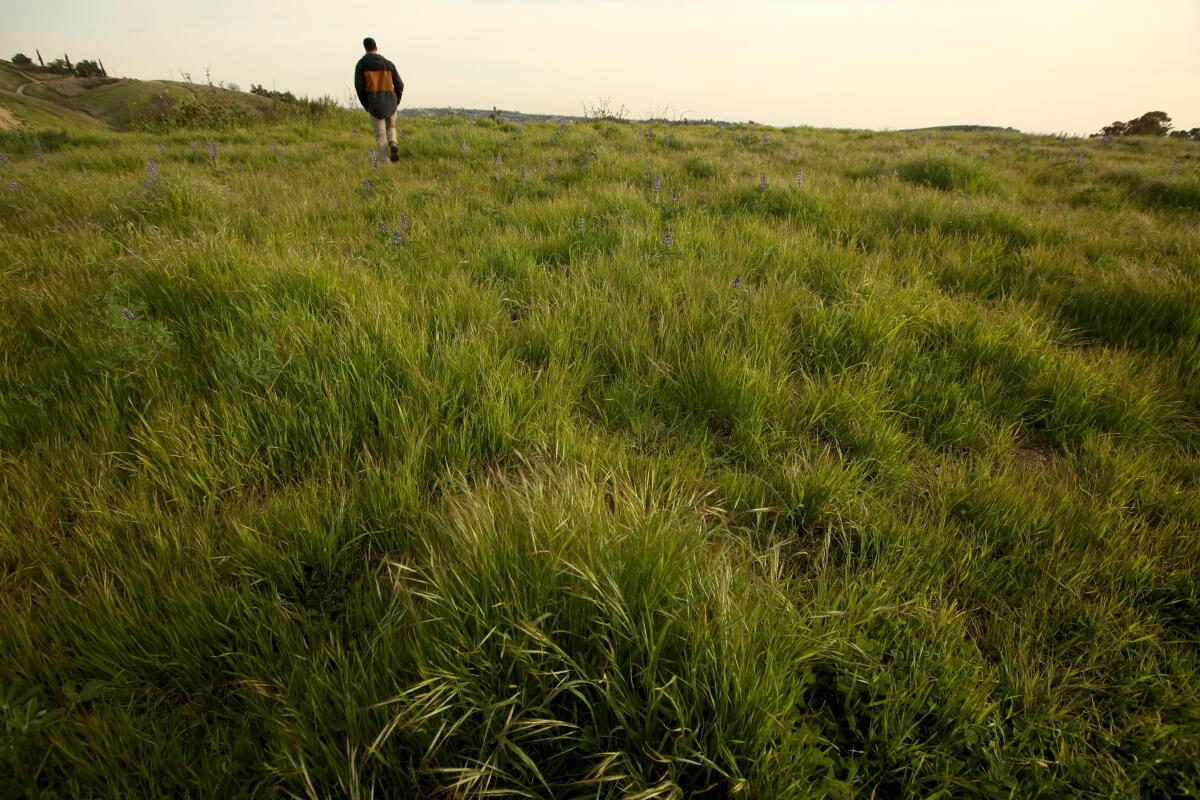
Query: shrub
(946, 174)
(1169, 194)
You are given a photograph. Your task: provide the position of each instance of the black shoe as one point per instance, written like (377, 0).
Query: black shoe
(395, 153)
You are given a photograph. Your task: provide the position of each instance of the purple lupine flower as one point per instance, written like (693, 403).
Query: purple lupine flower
(1079, 160)
(397, 238)
(762, 183)
(766, 138)
(212, 151)
(37, 149)
(404, 224)
(551, 161)
(581, 225)
(367, 186)
(657, 184)
(12, 185)
(60, 229)
(153, 170)
(675, 198)
(162, 151)
(800, 179)
(383, 227)
(667, 240)
(463, 148)
(127, 314)
(374, 160)
(499, 161)
(1174, 166)
(737, 282)
(522, 174)
(275, 147)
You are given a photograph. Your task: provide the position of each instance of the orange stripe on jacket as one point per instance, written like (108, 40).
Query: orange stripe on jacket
(379, 81)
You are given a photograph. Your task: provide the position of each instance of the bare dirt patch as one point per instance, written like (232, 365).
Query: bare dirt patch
(7, 120)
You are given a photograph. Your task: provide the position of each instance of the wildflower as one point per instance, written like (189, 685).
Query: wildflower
(766, 138)
(367, 185)
(581, 225)
(397, 238)
(737, 282)
(667, 139)
(404, 224)
(499, 161)
(551, 160)
(12, 185)
(374, 160)
(762, 184)
(212, 151)
(522, 174)
(675, 198)
(667, 240)
(162, 151)
(463, 148)
(383, 227)
(127, 314)
(800, 179)
(193, 147)
(1174, 165)
(657, 184)
(37, 149)
(1079, 160)
(153, 170)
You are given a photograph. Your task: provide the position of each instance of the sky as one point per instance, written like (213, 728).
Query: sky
(1046, 66)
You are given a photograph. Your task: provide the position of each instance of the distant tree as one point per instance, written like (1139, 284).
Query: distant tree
(1152, 123)
(22, 60)
(1193, 134)
(89, 69)
(59, 66)
(283, 97)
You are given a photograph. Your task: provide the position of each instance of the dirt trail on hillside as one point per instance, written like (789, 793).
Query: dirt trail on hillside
(7, 120)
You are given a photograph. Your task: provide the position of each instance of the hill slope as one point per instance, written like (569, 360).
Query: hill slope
(587, 461)
(41, 100)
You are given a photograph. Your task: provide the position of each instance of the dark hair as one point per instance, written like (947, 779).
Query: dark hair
(369, 44)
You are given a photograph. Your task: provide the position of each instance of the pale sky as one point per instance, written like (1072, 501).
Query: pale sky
(1038, 65)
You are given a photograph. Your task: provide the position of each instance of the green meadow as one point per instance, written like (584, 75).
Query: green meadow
(577, 462)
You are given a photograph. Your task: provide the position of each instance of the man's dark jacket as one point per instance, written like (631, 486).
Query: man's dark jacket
(378, 85)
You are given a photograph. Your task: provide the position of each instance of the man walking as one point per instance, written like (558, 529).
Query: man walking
(379, 90)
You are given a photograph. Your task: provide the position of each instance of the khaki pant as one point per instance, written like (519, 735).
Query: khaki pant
(385, 133)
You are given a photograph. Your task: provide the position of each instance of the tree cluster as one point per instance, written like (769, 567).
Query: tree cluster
(283, 97)
(63, 66)
(1152, 123)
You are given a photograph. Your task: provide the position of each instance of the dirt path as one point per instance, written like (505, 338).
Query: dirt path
(7, 120)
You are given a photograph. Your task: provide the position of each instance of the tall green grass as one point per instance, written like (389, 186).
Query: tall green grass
(885, 485)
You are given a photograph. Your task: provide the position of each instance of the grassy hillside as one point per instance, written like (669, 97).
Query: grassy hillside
(43, 101)
(623, 466)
